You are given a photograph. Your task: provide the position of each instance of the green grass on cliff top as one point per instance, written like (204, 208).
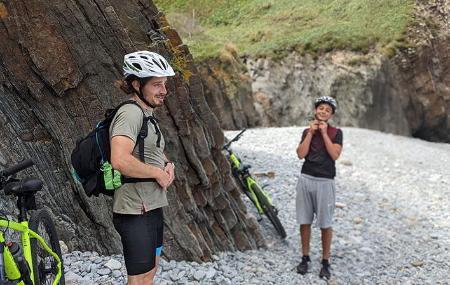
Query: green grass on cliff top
(271, 27)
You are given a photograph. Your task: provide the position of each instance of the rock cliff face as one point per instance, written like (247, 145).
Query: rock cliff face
(408, 94)
(228, 90)
(424, 70)
(284, 91)
(372, 91)
(58, 62)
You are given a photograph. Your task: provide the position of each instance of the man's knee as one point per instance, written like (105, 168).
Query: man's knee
(144, 278)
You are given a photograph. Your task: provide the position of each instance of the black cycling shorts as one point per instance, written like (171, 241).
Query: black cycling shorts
(142, 238)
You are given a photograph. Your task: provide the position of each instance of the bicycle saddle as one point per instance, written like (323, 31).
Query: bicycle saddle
(25, 186)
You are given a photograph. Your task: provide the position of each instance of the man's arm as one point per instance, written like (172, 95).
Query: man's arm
(123, 160)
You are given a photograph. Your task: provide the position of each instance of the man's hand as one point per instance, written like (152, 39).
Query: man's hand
(313, 126)
(170, 169)
(163, 179)
(323, 126)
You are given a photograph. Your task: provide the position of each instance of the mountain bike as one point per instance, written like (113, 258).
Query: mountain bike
(37, 258)
(251, 188)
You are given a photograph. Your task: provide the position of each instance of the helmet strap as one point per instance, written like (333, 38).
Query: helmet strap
(142, 82)
(141, 96)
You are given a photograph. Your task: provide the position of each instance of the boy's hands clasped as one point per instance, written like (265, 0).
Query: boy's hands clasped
(323, 126)
(315, 125)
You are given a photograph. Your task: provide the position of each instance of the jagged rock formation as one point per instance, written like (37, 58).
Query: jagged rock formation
(424, 69)
(58, 63)
(228, 90)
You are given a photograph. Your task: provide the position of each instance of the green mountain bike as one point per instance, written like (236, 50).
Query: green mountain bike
(37, 258)
(251, 188)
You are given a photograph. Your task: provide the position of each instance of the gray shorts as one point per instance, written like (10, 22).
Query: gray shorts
(315, 195)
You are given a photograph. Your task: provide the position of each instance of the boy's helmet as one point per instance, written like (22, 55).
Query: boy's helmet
(328, 100)
(146, 64)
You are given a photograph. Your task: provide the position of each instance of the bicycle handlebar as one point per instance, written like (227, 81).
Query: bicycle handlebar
(16, 168)
(236, 138)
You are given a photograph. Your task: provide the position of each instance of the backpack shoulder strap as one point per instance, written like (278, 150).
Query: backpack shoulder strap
(110, 113)
(143, 132)
(154, 122)
(141, 136)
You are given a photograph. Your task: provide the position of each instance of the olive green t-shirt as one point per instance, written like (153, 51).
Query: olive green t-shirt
(140, 197)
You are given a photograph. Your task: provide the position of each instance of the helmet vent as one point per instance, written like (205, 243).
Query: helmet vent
(156, 63)
(137, 65)
(163, 64)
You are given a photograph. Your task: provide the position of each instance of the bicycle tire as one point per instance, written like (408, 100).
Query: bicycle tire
(269, 210)
(44, 265)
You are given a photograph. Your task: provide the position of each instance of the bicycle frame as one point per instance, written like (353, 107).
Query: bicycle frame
(249, 182)
(260, 198)
(11, 268)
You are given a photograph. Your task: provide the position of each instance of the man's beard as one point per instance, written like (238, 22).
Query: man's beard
(156, 102)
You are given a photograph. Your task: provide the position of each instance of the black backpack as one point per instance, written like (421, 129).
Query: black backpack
(91, 156)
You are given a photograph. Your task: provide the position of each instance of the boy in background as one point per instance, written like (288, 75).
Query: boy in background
(320, 146)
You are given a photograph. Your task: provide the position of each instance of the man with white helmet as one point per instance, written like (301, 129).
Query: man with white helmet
(137, 207)
(320, 146)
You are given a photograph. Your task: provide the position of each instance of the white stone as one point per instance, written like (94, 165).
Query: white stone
(113, 264)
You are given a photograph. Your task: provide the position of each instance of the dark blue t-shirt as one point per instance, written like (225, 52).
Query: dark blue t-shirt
(318, 162)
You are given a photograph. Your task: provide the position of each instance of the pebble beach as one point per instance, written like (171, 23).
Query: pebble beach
(392, 225)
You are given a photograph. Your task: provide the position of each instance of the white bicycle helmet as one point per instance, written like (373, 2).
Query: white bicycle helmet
(146, 64)
(326, 99)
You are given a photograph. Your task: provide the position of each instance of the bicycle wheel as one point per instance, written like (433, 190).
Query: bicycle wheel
(269, 210)
(44, 265)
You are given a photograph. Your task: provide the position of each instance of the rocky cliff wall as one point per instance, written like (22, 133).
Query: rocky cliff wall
(407, 94)
(58, 62)
(228, 90)
(362, 84)
(372, 90)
